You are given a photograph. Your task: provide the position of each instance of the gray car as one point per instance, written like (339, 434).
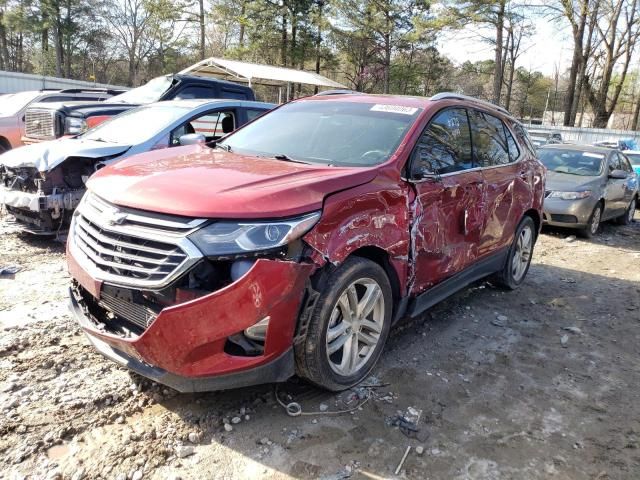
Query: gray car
(587, 185)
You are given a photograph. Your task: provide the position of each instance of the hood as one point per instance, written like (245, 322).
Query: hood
(565, 182)
(196, 181)
(47, 155)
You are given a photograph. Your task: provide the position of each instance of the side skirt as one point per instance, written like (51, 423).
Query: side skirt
(448, 287)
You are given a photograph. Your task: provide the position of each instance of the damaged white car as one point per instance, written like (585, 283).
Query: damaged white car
(41, 184)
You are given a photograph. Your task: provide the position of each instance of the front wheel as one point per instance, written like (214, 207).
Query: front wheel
(594, 222)
(348, 327)
(519, 256)
(627, 217)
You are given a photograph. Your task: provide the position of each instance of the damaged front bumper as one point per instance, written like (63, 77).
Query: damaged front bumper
(184, 346)
(37, 212)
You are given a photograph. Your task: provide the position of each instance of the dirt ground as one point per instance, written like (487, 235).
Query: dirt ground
(539, 383)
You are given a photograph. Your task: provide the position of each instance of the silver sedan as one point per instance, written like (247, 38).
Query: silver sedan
(587, 185)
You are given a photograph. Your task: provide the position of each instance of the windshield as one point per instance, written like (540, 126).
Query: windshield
(573, 162)
(14, 102)
(147, 93)
(136, 125)
(326, 132)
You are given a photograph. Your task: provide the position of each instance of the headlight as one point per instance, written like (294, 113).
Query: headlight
(74, 125)
(234, 238)
(570, 195)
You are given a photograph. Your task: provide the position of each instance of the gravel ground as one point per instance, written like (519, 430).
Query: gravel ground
(539, 383)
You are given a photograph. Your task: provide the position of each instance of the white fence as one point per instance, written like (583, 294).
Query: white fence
(587, 135)
(12, 82)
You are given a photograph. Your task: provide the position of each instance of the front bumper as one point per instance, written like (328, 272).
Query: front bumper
(184, 347)
(27, 206)
(568, 213)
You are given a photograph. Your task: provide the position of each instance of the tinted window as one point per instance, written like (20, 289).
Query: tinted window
(514, 151)
(445, 146)
(196, 91)
(334, 132)
(235, 94)
(489, 141)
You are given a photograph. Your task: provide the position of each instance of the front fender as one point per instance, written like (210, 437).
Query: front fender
(371, 215)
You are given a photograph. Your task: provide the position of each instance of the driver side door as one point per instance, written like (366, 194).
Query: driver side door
(448, 211)
(614, 199)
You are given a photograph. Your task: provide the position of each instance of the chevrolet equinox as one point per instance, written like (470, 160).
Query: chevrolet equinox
(293, 244)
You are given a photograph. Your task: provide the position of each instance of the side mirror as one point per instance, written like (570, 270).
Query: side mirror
(192, 139)
(618, 174)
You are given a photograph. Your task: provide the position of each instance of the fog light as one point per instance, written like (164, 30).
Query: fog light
(258, 331)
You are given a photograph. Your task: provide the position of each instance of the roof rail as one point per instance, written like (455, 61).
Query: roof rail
(112, 91)
(338, 92)
(459, 96)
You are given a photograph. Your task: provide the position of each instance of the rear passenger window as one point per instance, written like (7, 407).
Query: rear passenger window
(514, 151)
(489, 140)
(445, 146)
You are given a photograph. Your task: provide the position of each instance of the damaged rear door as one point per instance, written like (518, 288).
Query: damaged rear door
(447, 212)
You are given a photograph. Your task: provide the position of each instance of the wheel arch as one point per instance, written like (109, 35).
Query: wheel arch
(4, 143)
(535, 216)
(381, 257)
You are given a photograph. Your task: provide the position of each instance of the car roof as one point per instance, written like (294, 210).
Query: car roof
(579, 148)
(408, 100)
(213, 102)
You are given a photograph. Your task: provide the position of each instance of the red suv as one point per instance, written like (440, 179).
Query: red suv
(295, 243)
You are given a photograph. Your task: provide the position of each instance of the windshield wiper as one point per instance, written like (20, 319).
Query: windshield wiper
(223, 146)
(286, 158)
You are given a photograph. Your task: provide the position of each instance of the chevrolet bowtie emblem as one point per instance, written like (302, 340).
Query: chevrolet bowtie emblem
(116, 218)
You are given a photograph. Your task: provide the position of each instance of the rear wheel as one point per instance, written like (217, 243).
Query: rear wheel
(627, 218)
(349, 326)
(594, 222)
(519, 257)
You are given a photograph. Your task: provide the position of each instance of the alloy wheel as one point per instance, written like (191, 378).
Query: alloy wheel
(355, 326)
(522, 253)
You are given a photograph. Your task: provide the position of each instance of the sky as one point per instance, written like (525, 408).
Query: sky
(551, 45)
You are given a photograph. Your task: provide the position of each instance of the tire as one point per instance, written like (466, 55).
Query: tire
(333, 370)
(519, 257)
(594, 222)
(627, 217)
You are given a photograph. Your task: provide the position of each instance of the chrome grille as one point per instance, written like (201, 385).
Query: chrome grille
(40, 123)
(128, 247)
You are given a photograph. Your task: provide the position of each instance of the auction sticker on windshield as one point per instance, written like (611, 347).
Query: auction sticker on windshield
(592, 155)
(394, 109)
